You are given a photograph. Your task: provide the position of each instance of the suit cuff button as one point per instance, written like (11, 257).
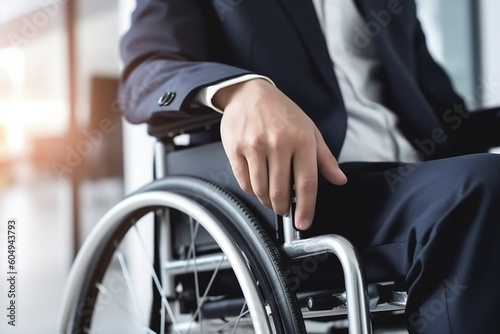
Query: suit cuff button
(166, 99)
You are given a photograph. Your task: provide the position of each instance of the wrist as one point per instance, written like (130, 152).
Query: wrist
(225, 95)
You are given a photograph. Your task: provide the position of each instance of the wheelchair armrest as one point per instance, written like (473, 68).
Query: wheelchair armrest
(484, 126)
(164, 125)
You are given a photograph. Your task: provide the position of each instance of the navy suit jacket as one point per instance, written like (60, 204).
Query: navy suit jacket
(179, 46)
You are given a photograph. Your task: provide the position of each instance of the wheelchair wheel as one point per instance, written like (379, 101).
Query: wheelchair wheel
(222, 274)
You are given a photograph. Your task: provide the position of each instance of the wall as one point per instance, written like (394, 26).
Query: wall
(448, 25)
(138, 146)
(490, 55)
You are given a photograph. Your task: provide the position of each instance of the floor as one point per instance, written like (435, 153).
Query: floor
(40, 203)
(41, 206)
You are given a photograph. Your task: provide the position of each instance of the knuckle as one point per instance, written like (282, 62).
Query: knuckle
(236, 150)
(308, 184)
(279, 195)
(281, 208)
(239, 147)
(253, 144)
(303, 138)
(277, 142)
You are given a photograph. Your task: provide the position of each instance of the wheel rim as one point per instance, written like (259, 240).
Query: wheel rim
(108, 225)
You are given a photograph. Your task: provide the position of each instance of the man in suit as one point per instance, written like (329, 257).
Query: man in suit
(343, 96)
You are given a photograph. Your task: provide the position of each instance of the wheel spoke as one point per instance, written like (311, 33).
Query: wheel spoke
(192, 250)
(157, 283)
(194, 233)
(230, 323)
(238, 318)
(212, 279)
(103, 290)
(129, 282)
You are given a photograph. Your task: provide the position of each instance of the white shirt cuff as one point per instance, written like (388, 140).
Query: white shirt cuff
(205, 95)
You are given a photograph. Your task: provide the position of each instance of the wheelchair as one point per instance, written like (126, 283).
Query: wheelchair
(214, 260)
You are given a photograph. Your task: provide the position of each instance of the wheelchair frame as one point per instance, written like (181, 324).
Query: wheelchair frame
(358, 310)
(357, 301)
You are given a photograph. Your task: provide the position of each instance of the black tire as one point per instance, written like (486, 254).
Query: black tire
(262, 255)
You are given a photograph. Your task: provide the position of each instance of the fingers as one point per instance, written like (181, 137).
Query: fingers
(249, 163)
(327, 164)
(240, 169)
(266, 174)
(305, 175)
(259, 177)
(267, 178)
(279, 164)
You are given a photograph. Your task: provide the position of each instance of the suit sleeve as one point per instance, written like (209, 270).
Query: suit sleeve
(164, 51)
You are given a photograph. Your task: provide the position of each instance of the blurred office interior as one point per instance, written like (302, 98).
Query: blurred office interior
(66, 156)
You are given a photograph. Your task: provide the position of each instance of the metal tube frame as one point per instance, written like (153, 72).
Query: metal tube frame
(164, 243)
(358, 309)
(203, 263)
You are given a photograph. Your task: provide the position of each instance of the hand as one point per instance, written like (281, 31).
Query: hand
(266, 136)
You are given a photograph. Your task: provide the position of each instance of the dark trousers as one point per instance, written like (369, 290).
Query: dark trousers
(434, 226)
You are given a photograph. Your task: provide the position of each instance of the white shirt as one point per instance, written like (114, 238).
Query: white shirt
(372, 132)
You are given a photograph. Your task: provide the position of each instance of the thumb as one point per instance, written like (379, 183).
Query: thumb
(327, 164)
